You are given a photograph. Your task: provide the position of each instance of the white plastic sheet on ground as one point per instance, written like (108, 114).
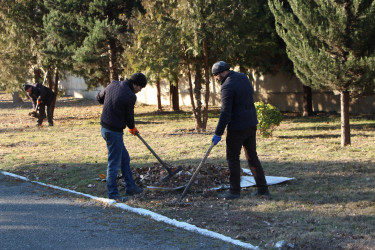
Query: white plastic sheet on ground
(246, 181)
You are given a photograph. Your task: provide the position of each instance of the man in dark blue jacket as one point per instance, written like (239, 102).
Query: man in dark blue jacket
(118, 113)
(41, 96)
(238, 114)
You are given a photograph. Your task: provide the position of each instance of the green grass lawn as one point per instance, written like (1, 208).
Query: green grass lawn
(330, 204)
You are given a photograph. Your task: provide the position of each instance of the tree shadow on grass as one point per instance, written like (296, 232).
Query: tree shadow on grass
(317, 118)
(61, 102)
(316, 183)
(308, 136)
(309, 229)
(362, 126)
(321, 136)
(147, 122)
(175, 115)
(10, 105)
(326, 206)
(75, 102)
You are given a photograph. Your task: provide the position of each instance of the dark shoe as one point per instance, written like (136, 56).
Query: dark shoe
(50, 124)
(264, 194)
(121, 199)
(134, 191)
(228, 196)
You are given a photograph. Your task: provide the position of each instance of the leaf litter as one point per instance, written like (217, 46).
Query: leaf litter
(209, 177)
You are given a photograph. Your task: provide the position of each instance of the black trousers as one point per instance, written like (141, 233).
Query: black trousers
(246, 138)
(42, 112)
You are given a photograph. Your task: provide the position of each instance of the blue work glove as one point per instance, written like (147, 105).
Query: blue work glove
(216, 139)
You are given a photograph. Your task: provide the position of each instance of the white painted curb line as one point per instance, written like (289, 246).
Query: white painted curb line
(145, 212)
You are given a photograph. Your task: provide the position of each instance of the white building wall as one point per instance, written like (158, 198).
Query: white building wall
(76, 86)
(148, 95)
(280, 90)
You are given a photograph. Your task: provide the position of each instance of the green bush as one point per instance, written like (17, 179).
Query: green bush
(269, 118)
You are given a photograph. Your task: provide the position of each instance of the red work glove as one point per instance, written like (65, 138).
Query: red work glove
(133, 131)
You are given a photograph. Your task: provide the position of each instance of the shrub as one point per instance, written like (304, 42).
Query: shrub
(269, 118)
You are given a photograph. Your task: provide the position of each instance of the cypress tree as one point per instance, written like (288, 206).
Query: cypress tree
(331, 43)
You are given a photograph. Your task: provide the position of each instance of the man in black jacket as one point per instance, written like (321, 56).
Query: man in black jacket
(41, 96)
(238, 114)
(118, 113)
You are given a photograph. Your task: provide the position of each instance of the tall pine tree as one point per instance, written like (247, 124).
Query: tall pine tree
(14, 62)
(99, 29)
(156, 48)
(331, 43)
(21, 37)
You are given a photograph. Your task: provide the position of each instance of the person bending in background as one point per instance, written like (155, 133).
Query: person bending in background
(41, 96)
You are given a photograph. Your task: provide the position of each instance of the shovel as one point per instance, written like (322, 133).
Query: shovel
(196, 172)
(169, 170)
(35, 113)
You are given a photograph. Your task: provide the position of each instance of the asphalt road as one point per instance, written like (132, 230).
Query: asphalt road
(37, 217)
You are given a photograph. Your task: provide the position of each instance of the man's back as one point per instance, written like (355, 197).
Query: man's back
(118, 109)
(237, 105)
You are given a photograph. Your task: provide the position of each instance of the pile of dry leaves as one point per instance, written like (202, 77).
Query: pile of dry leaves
(209, 176)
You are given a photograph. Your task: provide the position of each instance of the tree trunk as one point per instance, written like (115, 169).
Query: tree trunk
(49, 79)
(174, 100)
(198, 97)
(307, 101)
(191, 88)
(158, 94)
(345, 125)
(207, 79)
(55, 90)
(112, 50)
(16, 98)
(37, 75)
(56, 85)
(191, 93)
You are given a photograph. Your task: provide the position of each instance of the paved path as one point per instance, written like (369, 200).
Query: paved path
(38, 217)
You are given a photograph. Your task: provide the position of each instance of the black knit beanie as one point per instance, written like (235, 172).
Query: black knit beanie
(139, 79)
(27, 86)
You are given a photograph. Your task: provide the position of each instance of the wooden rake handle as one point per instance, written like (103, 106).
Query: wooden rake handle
(196, 172)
